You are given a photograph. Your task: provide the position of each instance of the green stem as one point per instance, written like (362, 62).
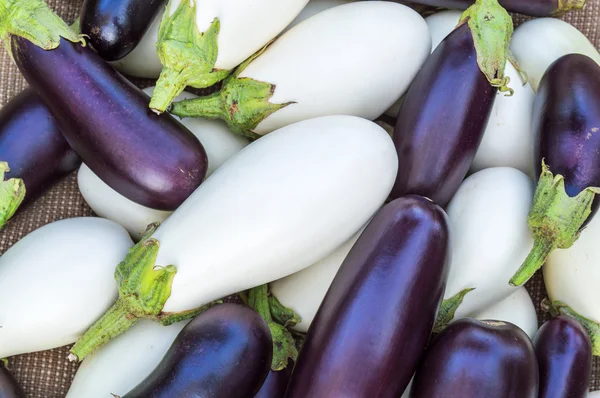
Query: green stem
(448, 310)
(12, 193)
(115, 321)
(533, 262)
(210, 106)
(564, 6)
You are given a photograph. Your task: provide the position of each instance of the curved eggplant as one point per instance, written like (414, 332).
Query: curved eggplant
(276, 383)
(32, 144)
(566, 124)
(472, 359)
(401, 259)
(564, 355)
(442, 120)
(106, 121)
(9, 388)
(224, 352)
(534, 8)
(115, 27)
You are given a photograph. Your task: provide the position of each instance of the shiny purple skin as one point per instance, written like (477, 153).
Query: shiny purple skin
(225, 352)
(276, 383)
(115, 27)
(566, 123)
(33, 146)
(474, 359)
(442, 120)
(564, 355)
(534, 8)
(152, 160)
(376, 319)
(8, 385)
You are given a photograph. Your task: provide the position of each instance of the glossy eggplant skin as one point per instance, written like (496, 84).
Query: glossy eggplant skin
(276, 383)
(8, 385)
(115, 27)
(32, 144)
(564, 354)
(534, 8)
(566, 122)
(150, 159)
(442, 120)
(473, 359)
(375, 321)
(224, 352)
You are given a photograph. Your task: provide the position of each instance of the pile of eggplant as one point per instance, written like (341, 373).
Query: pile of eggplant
(266, 237)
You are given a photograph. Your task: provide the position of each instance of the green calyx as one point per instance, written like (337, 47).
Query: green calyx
(12, 193)
(188, 55)
(279, 319)
(448, 309)
(492, 28)
(564, 6)
(556, 308)
(555, 220)
(242, 102)
(34, 21)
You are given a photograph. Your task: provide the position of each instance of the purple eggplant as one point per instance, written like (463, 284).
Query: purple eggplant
(564, 355)
(442, 119)
(375, 321)
(115, 27)
(566, 126)
(150, 159)
(474, 359)
(224, 352)
(8, 385)
(32, 144)
(276, 383)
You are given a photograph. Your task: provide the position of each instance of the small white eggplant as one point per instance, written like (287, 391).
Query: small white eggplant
(538, 43)
(278, 206)
(488, 218)
(56, 281)
(219, 143)
(124, 362)
(313, 70)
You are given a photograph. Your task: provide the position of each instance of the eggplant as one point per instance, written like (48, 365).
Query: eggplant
(472, 359)
(224, 352)
(9, 388)
(376, 319)
(115, 27)
(276, 383)
(564, 355)
(33, 146)
(442, 120)
(566, 126)
(534, 8)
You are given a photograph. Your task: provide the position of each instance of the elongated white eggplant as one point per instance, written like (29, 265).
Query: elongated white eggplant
(56, 281)
(313, 70)
(219, 143)
(488, 217)
(278, 206)
(538, 43)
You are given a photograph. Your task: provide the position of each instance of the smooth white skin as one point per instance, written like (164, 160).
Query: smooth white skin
(595, 394)
(283, 203)
(314, 7)
(316, 64)
(538, 43)
(572, 275)
(125, 361)
(57, 281)
(304, 291)
(490, 237)
(220, 144)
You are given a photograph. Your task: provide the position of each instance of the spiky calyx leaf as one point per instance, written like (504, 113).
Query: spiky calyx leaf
(12, 193)
(556, 308)
(448, 310)
(564, 6)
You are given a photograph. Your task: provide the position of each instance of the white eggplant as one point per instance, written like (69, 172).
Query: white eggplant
(538, 43)
(124, 362)
(278, 206)
(220, 144)
(313, 70)
(56, 281)
(488, 218)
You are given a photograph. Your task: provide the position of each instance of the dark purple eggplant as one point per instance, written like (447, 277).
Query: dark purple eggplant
(474, 359)
(9, 388)
(150, 159)
(375, 321)
(225, 352)
(442, 120)
(33, 146)
(276, 383)
(115, 27)
(564, 355)
(566, 126)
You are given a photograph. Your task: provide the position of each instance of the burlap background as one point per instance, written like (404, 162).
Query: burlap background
(48, 374)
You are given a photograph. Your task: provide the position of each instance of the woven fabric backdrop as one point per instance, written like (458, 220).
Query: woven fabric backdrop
(48, 374)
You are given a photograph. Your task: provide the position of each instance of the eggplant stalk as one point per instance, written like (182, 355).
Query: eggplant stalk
(12, 193)
(448, 309)
(556, 308)
(564, 6)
